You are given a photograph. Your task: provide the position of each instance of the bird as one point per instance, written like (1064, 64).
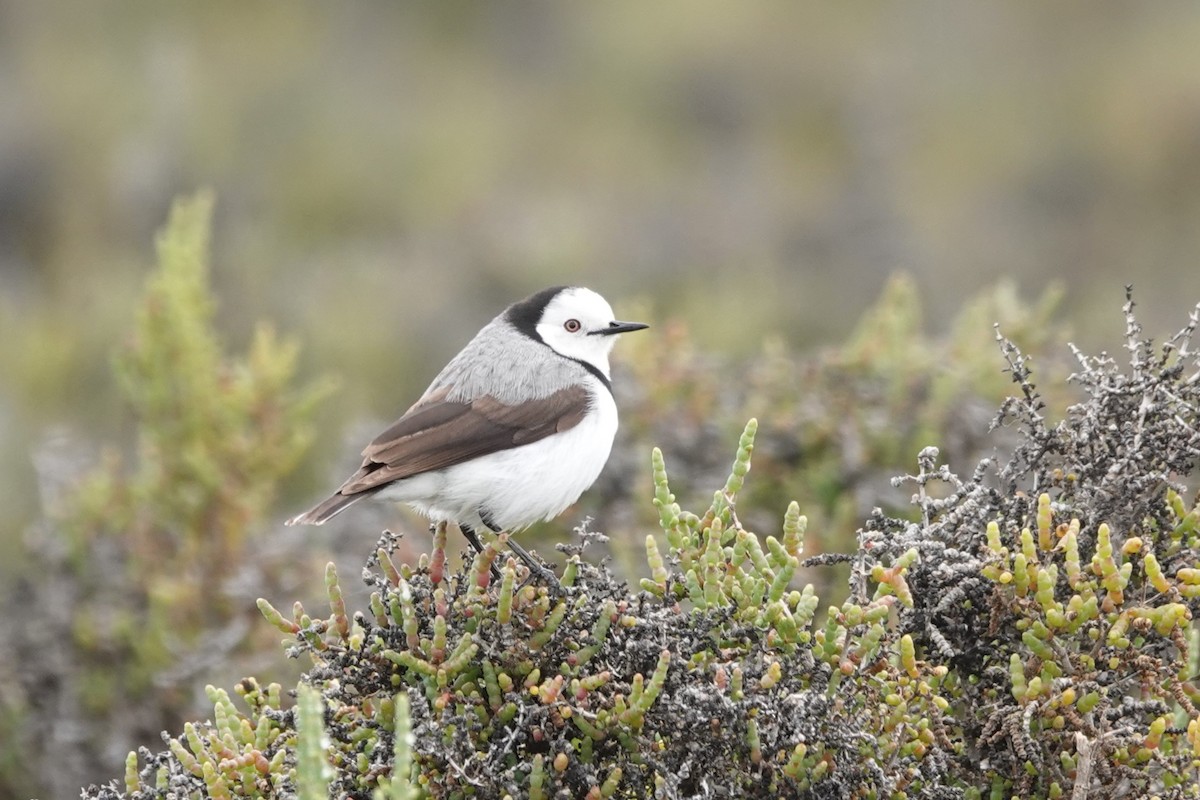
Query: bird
(512, 431)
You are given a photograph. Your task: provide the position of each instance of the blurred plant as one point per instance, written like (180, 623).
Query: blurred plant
(123, 570)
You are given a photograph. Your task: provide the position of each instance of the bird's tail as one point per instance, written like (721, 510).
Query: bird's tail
(326, 510)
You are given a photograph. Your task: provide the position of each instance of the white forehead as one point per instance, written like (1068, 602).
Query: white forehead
(578, 301)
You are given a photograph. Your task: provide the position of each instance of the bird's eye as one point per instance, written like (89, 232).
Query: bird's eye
(572, 326)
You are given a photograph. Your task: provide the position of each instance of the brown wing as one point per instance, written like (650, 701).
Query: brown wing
(439, 433)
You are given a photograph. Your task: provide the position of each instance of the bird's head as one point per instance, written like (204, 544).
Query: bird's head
(573, 321)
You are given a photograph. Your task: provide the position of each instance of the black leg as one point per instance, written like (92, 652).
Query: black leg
(473, 539)
(547, 577)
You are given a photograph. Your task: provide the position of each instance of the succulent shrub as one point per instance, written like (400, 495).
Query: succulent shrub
(1027, 633)
(141, 579)
(712, 678)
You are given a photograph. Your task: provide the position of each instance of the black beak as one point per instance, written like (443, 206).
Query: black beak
(619, 327)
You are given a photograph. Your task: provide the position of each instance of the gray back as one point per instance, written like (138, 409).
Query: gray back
(506, 364)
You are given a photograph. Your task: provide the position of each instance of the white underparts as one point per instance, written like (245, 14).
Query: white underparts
(522, 485)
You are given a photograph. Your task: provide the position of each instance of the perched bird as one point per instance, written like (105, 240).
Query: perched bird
(512, 431)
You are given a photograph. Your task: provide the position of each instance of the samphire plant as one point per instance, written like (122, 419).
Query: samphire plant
(1025, 632)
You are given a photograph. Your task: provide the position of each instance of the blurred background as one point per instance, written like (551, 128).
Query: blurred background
(389, 176)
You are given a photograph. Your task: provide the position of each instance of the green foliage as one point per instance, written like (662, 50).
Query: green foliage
(1076, 635)
(312, 766)
(717, 675)
(1027, 631)
(215, 434)
(594, 692)
(835, 424)
(400, 786)
(1090, 589)
(1015, 644)
(124, 569)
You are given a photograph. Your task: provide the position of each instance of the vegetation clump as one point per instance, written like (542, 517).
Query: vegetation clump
(1026, 631)
(138, 581)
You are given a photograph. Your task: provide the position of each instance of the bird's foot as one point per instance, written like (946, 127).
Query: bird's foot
(544, 574)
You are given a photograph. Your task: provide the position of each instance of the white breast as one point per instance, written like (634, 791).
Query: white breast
(524, 485)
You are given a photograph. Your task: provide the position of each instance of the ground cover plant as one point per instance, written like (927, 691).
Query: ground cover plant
(1027, 631)
(1020, 626)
